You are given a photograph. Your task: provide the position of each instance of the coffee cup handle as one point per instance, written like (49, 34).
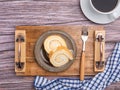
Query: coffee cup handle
(114, 15)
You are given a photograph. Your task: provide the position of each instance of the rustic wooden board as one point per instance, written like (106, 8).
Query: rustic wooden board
(34, 32)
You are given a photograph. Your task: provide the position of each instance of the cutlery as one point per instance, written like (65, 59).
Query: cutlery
(84, 37)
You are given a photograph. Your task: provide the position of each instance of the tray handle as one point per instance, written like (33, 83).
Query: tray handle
(99, 62)
(20, 51)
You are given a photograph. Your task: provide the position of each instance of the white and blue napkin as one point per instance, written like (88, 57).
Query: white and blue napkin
(110, 75)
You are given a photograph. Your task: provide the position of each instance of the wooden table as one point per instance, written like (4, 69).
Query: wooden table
(40, 12)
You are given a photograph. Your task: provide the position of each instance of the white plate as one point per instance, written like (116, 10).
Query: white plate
(94, 16)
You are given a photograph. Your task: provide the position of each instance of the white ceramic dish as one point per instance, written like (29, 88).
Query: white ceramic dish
(96, 17)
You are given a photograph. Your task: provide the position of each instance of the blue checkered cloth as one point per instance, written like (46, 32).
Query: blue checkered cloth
(110, 75)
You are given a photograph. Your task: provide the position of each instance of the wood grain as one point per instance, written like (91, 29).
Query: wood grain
(21, 57)
(100, 50)
(82, 66)
(40, 12)
(34, 32)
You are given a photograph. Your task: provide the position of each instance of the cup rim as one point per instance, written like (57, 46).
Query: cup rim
(101, 11)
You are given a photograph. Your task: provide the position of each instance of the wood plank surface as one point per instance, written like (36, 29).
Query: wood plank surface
(41, 12)
(34, 32)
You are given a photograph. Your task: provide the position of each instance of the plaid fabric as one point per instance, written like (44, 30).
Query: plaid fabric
(110, 75)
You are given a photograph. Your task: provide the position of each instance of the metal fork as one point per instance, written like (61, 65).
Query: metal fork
(84, 37)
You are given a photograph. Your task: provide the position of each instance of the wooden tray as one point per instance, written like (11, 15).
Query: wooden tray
(32, 33)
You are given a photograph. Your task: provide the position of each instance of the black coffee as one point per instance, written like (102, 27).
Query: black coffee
(104, 5)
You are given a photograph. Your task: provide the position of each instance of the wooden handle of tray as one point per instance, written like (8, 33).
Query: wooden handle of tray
(82, 66)
(20, 52)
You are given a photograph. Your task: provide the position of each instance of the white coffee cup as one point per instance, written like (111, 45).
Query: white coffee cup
(113, 14)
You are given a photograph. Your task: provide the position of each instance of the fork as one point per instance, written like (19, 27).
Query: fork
(84, 37)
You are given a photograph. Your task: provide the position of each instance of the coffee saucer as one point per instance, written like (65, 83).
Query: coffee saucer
(96, 17)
